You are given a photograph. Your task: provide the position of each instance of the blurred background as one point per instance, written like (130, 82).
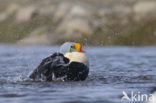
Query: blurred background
(95, 22)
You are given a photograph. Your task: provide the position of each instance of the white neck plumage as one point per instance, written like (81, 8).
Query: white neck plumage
(77, 57)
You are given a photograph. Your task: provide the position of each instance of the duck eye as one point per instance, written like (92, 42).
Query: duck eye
(72, 48)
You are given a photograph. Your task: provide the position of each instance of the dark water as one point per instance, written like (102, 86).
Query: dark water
(112, 71)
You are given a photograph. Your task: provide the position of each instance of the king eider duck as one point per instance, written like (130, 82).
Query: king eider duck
(70, 64)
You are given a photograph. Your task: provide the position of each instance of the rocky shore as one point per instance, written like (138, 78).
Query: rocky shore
(95, 22)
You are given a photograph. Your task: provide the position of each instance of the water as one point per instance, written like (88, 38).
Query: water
(112, 71)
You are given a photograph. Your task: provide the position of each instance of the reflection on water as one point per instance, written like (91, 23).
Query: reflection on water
(112, 71)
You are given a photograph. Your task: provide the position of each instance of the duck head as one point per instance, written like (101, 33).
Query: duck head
(76, 48)
(73, 51)
(71, 47)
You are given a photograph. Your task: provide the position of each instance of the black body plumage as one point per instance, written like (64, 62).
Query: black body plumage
(58, 66)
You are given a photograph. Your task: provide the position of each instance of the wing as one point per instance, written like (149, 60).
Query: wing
(48, 67)
(42, 68)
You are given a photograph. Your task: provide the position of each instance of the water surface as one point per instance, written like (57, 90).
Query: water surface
(112, 71)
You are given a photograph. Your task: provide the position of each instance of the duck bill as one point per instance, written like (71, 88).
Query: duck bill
(82, 51)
